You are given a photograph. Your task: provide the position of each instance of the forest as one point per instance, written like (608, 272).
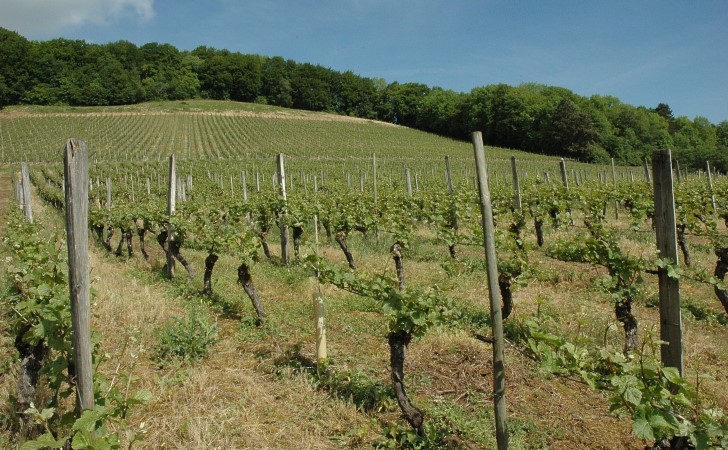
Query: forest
(533, 117)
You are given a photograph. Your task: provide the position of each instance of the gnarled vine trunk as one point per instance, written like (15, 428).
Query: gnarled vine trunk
(396, 251)
(125, 239)
(141, 232)
(31, 362)
(721, 268)
(683, 243)
(109, 234)
(504, 283)
(538, 224)
(174, 249)
(297, 238)
(246, 280)
(262, 236)
(341, 240)
(623, 312)
(207, 278)
(99, 230)
(398, 342)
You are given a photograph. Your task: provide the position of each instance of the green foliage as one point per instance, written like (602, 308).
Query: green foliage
(661, 403)
(410, 310)
(97, 428)
(41, 316)
(186, 339)
(437, 435)
(39, 304)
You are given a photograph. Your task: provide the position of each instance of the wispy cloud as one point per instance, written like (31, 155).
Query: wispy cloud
(44, 18)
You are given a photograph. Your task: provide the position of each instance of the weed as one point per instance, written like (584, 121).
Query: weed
(186, 339)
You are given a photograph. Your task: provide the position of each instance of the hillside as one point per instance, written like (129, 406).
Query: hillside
(207, 129)
(216, 375)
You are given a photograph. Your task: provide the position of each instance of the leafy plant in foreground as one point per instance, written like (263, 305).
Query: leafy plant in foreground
(186, 339)
(411, 312)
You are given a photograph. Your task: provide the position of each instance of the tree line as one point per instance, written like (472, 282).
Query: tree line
(532, 117)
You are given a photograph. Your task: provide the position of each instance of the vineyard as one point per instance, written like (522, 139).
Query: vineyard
(203, 308)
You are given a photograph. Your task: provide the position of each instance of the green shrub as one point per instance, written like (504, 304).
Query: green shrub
(186, 338)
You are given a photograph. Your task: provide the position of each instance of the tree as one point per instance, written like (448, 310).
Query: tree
(664, 111)
(571, 130)
(276, 81)
(15, 67)
(443, 112)
(313, 88)
(694, 141)
(356, 96)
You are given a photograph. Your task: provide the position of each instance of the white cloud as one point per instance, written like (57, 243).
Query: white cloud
(37, 19)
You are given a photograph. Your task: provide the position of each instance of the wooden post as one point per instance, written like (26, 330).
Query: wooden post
(648, 178)
(409, 181)
(491, 262)
(25, 185)
(665, 228)
(285, 255)
(245, 186)
(318, 302)
(448, 176)
(710, 184)
(171, 207)
(677, 171)
(108, 193)
(564, 179)
(614, 183)
(374, 176)
(516, 186)
(315, 216)
(75, 162)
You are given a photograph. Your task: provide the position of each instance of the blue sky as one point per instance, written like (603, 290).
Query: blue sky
(642, 51)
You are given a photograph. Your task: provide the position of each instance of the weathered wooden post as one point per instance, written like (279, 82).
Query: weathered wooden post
(374, 177)
(666, 231)
(245, 186)
(516, 185)
(108, 193)
(677, 171)
(564, 179)
(648, 177)
(614, 184)
(452, 213)
(491, 262)
(285, 255)
(315, 216)
(320, 312)
(75, 162)
(448, 176)
(409, 181)
(171, 207)
(25, 189)
(710, 184)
